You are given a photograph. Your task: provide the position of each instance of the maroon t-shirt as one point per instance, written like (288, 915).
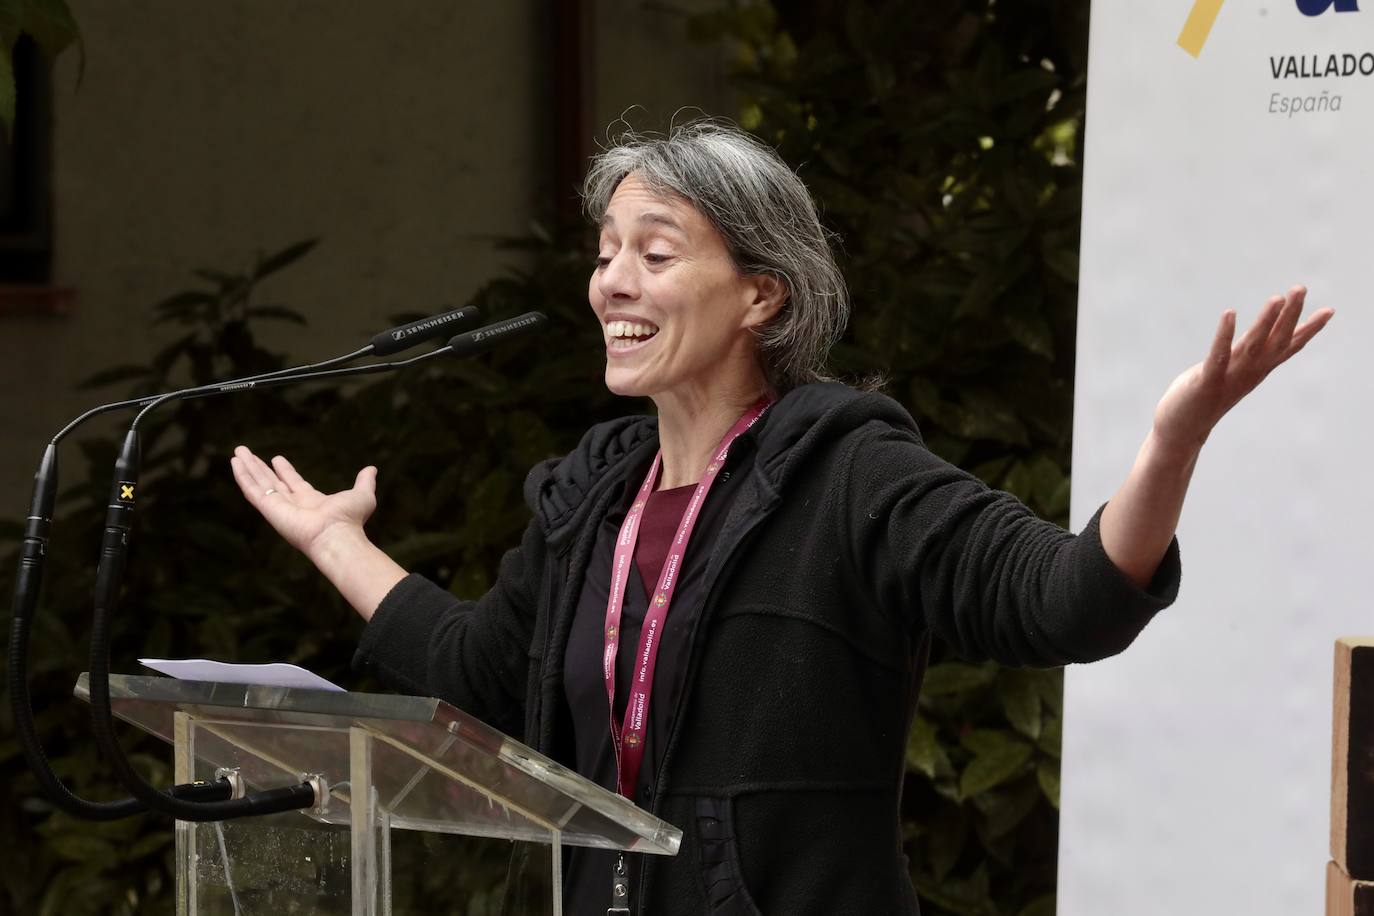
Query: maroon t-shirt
(657, 528)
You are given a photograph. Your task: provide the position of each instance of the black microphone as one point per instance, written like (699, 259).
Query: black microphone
(34, 549)
(470, 343)
(109, 575)
(393, 341)
(407, 335)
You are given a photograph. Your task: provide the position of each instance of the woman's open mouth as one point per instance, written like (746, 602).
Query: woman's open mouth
(628, 335)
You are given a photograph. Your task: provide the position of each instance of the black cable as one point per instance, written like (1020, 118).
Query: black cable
(269, 801)
(32, 748)
(205, 390)
(109, 575)
(33, 553)
(28, 584)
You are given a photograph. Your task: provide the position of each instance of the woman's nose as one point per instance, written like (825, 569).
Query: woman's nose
(618, 279)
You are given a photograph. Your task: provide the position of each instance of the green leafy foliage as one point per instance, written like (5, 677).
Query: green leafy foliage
(941, 142)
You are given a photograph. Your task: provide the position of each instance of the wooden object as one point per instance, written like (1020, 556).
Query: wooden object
(1352, 759)
(1345, 896)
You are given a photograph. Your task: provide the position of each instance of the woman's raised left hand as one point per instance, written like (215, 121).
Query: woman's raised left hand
(1139, 521)
(1200, 396)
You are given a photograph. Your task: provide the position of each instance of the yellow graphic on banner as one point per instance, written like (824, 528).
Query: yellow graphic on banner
(1199, 25)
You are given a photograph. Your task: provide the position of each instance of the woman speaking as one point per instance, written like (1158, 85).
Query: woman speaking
(724, 611)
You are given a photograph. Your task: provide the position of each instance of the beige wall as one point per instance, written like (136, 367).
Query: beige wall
(406, 135)
(648, 71)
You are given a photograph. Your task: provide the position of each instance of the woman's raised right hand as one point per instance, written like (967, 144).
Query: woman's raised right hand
(300, 513)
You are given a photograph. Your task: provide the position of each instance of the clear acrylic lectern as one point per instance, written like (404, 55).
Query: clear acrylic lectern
(385, 762)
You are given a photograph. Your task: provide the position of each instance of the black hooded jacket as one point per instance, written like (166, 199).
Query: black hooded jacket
(847, 548)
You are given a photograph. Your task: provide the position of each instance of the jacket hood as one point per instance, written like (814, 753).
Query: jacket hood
(561, 490)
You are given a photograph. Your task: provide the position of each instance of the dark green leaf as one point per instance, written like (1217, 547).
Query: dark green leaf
(1004, 809)
(276, 313)
(1026, 81)
(1050, 736)
(1041, 906)
(50, 24)
(987, 740)
(967, 896)
(1064, 262)
(1031, 331)
(924, 397)
(948, 835)
(1020, 702)
(1056, 504)
(1050, 683)
(993, 768)
(924, 752)
(184, 302)
(1047, 774)
(218, 277)
(150, 844)
(956, 677)
(81, 848)
(981, 415)
(275, 262)
(1018, 481)
(991, 472)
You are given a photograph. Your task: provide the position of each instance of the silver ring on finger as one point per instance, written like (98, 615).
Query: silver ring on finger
(269, 491)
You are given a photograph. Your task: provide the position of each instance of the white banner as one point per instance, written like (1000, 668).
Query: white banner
(1229, 148)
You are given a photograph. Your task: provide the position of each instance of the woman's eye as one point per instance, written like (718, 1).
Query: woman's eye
(602, 261)
(656, 258)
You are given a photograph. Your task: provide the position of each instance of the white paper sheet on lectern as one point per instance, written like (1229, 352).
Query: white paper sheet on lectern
(273, 674)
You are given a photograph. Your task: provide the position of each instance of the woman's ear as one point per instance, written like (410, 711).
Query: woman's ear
(770, 294)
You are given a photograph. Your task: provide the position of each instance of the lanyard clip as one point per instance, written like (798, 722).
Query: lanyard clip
(620, 889)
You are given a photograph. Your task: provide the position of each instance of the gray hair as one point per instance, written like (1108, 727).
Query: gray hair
(768, 221)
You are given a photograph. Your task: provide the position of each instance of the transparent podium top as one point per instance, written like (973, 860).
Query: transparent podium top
(435, 767)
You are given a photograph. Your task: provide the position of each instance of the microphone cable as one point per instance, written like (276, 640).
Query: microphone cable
(110, 572)
(34, 549)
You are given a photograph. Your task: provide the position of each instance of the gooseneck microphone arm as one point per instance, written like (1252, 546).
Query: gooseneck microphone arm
(401, 337)
(109, 575)
(152, 398)
(34, 548)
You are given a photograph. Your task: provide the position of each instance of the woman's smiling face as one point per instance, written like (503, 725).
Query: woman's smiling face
(675, 312)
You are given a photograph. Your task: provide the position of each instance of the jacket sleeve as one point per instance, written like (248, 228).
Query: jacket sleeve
(473, 654)
(938, 548)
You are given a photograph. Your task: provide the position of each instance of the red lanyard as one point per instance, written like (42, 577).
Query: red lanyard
(628, 739)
